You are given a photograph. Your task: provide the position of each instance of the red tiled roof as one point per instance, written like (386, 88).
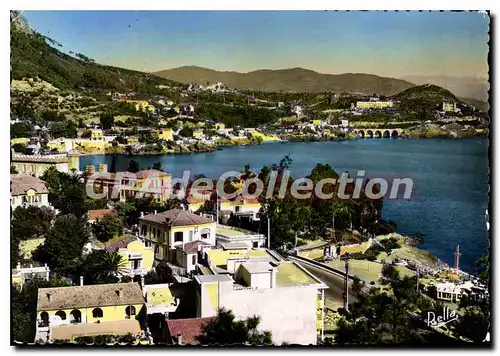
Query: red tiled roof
(121, 243)
(188, 328)
(21, 183)
(150, 173)
(177, 217)
(99, 213)
(192, 247)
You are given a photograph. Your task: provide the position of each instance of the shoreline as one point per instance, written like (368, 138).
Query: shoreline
(283, 141)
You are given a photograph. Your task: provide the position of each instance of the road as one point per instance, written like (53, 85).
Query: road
(335, 284)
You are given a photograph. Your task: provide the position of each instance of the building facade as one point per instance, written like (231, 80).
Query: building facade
(36, 165)
(83, 304)
(174, 228)
(26, 190)
(138, 258)
(374, 104)
(293, 309)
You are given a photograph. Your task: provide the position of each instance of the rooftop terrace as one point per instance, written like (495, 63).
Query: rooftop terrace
(289, 274)
(219, 257)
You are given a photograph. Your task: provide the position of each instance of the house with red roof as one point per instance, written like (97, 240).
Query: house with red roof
(185, 331)
(138, 258)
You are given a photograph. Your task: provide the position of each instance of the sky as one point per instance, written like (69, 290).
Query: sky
(393, 44)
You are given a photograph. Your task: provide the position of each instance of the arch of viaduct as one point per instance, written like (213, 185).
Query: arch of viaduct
(379, 133)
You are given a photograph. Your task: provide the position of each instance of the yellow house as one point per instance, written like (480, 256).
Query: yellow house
(139, 258)
(220, 126)
(173, 228)
(241, 206)
(91, 146)
(21, 140)
(141, 105)
(145, 183)
(37, 164)
(96, 134)
(166, 134)
(86, 304)
(132, 140)
(198, 133)
(373, 104)
(26, 190)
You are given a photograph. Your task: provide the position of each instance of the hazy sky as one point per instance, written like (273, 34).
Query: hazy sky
(385, 43)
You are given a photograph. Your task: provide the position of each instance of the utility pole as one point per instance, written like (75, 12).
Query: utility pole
(346, 284)
(268, 232)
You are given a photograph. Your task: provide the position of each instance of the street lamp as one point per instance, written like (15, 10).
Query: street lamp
(346, 284)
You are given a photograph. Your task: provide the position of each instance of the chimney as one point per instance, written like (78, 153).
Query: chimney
(142, 282)
(156, 212)
(142, 214)
(179, 339)
(81, 280)
(19, 265)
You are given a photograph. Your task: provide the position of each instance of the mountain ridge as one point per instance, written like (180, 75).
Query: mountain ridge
(296, 79)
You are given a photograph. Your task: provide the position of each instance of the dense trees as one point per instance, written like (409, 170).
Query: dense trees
(63, 244)
(225, 330)
(19, 129)
(67, 193)
(109, 226)
(27, 223)
(312, 217)
(378, 317)
(107, 120)
(31, 222)
(245, 116)
(66, 129)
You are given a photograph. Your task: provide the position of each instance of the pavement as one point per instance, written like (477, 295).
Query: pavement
(335, 283)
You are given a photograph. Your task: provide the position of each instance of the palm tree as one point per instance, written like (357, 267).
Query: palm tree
(226, 330)
(113, 263)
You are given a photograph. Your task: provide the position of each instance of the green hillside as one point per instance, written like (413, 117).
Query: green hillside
(33, 55)
(425, 96)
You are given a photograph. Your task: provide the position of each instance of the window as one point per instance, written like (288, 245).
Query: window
(61, 314)
(191, 233)
(136, 264)
(129, 311)
(44, 316)
(205, 233)
(193, 260)
(178, 236)
(255, 244)
(75, 317)
(147, 243)
(157, 249)
(97, 313)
